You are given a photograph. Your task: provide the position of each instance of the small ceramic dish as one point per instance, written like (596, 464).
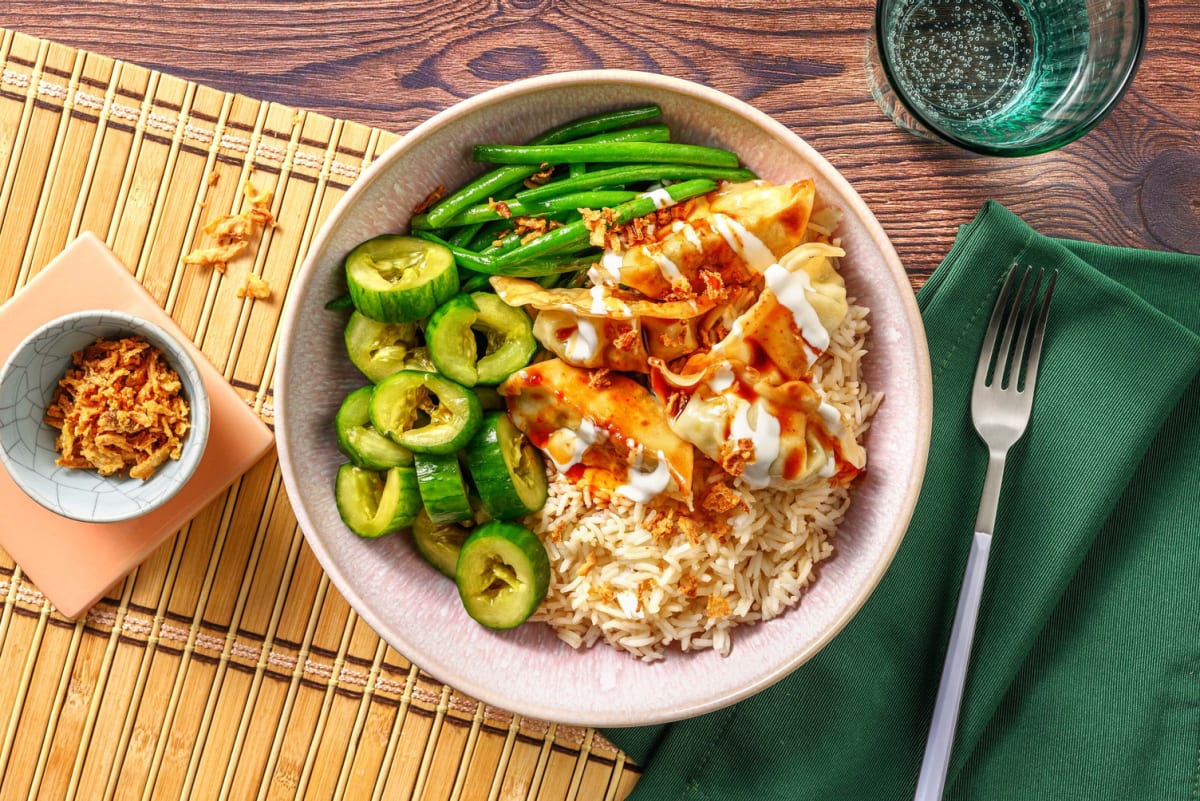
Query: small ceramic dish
(27, 443)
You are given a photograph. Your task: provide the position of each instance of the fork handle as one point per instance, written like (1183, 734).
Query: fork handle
(932, 780)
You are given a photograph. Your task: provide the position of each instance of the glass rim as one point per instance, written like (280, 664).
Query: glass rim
(1071, 135)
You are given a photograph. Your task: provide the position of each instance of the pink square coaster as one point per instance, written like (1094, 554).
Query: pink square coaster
(75, 563)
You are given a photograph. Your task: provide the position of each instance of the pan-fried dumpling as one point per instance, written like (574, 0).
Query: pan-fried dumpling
(768, 435)
(789, 325)
(736, 233)
(592, 342)
(613, 423)
(624, 345)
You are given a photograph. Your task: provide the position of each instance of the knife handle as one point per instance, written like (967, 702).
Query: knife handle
(932, 780)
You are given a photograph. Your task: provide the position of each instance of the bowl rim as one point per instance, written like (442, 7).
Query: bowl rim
(198, 409)
(853, 204)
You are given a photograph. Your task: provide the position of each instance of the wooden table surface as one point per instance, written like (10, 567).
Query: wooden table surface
(1134, 180)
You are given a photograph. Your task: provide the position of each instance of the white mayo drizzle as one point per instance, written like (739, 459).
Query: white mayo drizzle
(611, 261)
(829, 467)
(721, 380)
(641, 486)
(831, 417)
(661, 197)
(689, 233)
(790, 289)
(749, 247)
(736, 332)
(765, 436)
(597, 293)
(587, 435)
(581, 346)
(668, 268)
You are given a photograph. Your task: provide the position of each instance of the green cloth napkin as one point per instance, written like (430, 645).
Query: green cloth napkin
(1085, 675)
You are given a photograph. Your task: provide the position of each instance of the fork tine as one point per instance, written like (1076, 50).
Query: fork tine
(1014, 318)
(1028, 314)
(1039, 331)
(989, 339)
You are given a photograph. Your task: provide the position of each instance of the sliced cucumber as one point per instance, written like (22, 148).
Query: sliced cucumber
(359, 440)
(443, 490)
(425, 412)
(380, 349)
(454, 354)
(439, 543)
(399, 279)
(502, 574)
(490, 398)
(506, 335)
(507, 468)
(373, 503)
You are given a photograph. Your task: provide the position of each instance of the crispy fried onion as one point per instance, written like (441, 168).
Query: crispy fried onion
(119, 407)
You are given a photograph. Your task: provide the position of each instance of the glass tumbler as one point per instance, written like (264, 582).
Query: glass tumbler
(1003, 77)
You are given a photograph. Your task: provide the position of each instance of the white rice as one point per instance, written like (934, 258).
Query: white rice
(612, 580)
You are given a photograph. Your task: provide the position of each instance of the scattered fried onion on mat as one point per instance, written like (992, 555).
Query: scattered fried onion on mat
(120, 406)
(234, 232)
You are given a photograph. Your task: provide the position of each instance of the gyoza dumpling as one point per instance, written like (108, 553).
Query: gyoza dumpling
(614, 423)
(734, 233)
(790, 324)
(592, 342)
(768, 435)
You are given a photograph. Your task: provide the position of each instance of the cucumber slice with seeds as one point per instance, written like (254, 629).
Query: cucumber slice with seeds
(400, 279)
(359, 440)
(380, 349)
(425, 412)
(439, 543)
(480, 339)
(374, 503)
(502, 574)
(507, 468)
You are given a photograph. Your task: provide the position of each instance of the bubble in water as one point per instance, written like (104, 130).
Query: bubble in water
(963, 60)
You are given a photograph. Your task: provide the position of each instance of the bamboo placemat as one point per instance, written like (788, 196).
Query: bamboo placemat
(226, 665)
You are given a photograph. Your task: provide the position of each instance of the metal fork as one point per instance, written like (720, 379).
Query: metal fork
(1001, 402)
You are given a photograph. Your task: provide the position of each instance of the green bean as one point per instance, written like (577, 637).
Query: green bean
(489, 184)
(468, 259)
(485, 213)
(543, 265)
(502, 245)
(621, 152)
(551, 265)
(463, 235)
(597, 123)
(576, 234)
(476, 282)
(340, 303)
(496, 182)
(488, 234)
(558, 250)
(631, 173)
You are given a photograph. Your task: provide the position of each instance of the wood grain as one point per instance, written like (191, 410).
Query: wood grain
(1132, 181)
(256, 719)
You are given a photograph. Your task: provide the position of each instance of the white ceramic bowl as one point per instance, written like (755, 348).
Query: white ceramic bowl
(27, 443)
(528, 670)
